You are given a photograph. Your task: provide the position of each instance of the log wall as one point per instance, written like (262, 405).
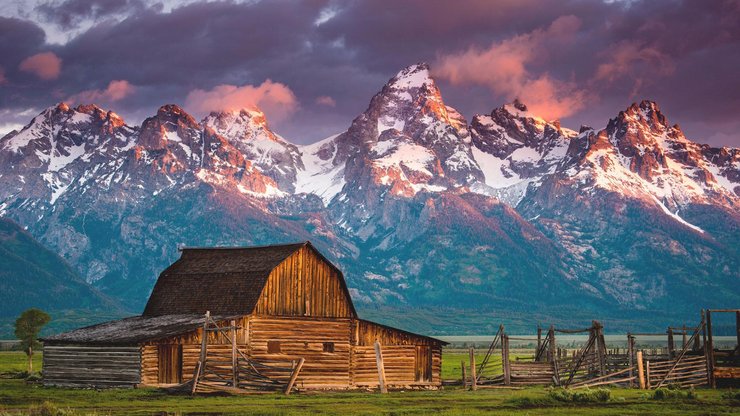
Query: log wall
(366, 333)
(351, 363)
(305, 338)
(85, 365)
(304, 285)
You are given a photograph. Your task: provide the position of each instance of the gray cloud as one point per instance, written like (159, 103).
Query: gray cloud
(684, 54)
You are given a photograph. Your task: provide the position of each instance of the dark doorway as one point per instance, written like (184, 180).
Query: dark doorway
(423, 363)
(170, 364)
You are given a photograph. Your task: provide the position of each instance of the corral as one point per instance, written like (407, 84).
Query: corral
(696, 362)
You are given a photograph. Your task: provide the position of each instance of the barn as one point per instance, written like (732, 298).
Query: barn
(278, 303)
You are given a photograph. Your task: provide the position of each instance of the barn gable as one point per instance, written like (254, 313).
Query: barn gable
(306, 284)
(231, 281)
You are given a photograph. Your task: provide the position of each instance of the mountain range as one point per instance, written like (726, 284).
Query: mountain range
(439, 224)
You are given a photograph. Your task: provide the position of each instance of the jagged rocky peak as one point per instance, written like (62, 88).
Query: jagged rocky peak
(408, 140)
(513, 126)
(412, 96)
(62, 126)
(516, 149)
(240, 125)
(249, 132)
(173, 113)
(170, 125)
(639, 155)
(413, 76)
(102, 115)
(644, 124)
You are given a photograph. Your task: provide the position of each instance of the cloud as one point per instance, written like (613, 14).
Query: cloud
(638, 63)
(3, 80)
(357, 46)
(45, 65)
(275, 99)
(503, 68)
(326, 100)
(68, 13)
(116, 91)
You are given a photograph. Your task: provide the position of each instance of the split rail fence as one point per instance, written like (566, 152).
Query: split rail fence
(593, 364)
(232, 371)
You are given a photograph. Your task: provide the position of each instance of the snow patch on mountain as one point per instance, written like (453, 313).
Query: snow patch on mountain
(675, 216)
(320, 175)
(496, 171)
(57, 160)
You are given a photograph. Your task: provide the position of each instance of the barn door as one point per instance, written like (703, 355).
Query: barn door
(423, 363)
(170, 364)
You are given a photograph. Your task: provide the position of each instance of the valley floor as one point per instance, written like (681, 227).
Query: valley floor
(17, 397)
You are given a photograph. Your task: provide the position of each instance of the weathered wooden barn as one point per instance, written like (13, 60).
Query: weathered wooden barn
(287, 302)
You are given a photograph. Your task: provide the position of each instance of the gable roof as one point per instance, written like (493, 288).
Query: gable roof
(222, 280)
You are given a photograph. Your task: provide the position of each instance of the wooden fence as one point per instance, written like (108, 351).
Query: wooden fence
(593, 364)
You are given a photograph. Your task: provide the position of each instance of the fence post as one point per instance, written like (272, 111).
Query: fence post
(631, 358)
(640, 371)
(539, 343)
(473, 381)
(710, 349)
(294, 375)
(671, 346)
(234, 359)
(381, 368)
(600, 347)
(647, 374)
(737, 326)
(551, 341)
(464, 376)
(505, 359)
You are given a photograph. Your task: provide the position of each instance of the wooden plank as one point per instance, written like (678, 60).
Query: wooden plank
(234, 356)
(709, 350)
(464, 377)
(381, 368)
(505, 359)
(640, 371)
(473, 378)
(294, 376)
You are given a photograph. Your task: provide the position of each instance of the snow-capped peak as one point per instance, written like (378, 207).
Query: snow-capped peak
(248, 131)
(641, 156)
(244, 124)
(515, 149)
(414, 76)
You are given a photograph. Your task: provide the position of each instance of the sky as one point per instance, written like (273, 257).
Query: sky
(312, 66)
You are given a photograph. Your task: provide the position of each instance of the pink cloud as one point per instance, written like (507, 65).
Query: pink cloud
(46, 65)
(275, 99)
(502, 67)
(326, 100)
(116, 90)
(3, 80)
(630, 59)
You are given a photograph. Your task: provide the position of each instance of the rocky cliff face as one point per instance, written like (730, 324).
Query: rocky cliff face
(516, 149)
(416, 205)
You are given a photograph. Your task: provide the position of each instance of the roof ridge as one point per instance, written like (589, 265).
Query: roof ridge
(301, 243)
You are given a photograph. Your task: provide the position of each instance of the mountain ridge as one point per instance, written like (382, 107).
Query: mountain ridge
(418, 206)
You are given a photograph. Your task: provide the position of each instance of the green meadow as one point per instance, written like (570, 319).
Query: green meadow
(20, 397)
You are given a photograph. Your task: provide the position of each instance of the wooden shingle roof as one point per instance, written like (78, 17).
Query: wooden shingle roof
(222, 280)
(133, 330)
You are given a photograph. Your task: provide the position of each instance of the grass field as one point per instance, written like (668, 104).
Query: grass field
(17, 397)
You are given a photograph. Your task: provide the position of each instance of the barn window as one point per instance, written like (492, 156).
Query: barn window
(328, 347)
(273, 347)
